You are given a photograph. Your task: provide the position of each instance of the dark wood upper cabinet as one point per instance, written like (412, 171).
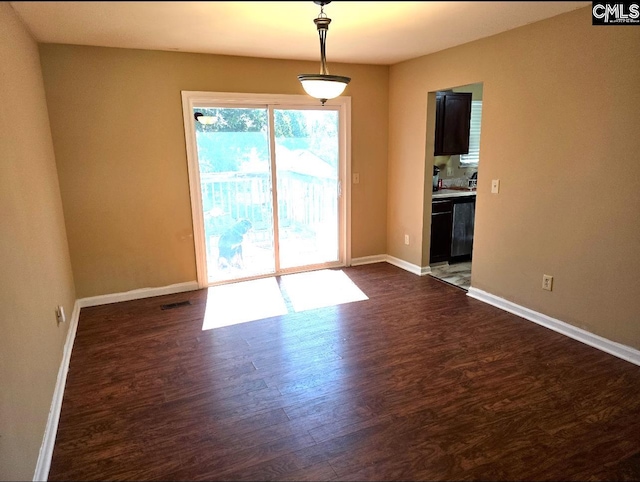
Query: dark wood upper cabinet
(453, 120)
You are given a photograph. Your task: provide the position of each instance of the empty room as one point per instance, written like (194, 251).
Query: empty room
(319, 241)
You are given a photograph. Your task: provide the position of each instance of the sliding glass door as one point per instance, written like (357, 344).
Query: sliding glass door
(236, 191)
(306, 166)
(245, 160)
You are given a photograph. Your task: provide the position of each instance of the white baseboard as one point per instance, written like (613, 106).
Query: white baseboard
(378, 258)
(138, 294)
(48, 441)
(613, 348)
(400, 263)
(410, 267)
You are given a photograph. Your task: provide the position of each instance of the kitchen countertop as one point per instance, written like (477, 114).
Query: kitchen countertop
(452, 193)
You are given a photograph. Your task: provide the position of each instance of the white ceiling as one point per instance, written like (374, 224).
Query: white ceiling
(361, 32)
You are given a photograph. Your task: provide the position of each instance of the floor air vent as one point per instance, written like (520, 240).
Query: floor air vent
(175, 305)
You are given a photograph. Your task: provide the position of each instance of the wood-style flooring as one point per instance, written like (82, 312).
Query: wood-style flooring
(420, 382)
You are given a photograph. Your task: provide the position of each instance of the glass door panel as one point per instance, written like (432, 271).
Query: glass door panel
(235, 181)
(307, 173)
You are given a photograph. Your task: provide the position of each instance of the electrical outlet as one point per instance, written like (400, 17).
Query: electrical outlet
(60, 314)
(547, 282)
(406, 239)
(495, 186)
(356, 178)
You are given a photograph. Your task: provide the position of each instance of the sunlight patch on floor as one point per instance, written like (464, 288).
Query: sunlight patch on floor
(241, 302)
(245, 301)
(317, 289)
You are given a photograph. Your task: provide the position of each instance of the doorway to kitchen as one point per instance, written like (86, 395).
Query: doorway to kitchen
(455, 172)
(266, 180)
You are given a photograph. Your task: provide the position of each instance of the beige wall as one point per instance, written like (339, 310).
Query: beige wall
(116, 117)
(35, 271)
(560, 130)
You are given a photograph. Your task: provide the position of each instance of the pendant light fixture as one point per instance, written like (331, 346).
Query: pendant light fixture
(323, 86)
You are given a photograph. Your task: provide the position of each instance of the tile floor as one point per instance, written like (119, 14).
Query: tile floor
(458, 274)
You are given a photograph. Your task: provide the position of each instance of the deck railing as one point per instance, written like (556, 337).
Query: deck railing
(304, 201)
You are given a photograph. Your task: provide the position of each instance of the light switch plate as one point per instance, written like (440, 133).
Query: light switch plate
(495, 186)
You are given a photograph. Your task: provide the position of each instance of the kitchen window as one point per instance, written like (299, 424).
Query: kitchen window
(472, 158)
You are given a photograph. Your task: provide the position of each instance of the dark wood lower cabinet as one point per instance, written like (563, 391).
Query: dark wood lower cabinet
(441, 219)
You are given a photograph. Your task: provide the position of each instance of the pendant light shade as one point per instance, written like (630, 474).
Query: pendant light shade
(323, 86)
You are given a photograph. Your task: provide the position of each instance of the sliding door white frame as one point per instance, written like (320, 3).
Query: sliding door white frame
(192, 99)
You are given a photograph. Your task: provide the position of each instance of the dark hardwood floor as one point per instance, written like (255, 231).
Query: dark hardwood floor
(420, 382)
